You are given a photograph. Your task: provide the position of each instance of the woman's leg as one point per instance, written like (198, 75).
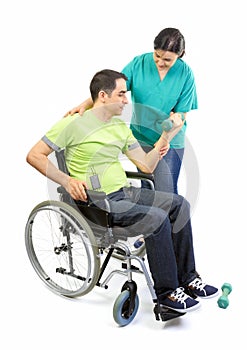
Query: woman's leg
(167, 171)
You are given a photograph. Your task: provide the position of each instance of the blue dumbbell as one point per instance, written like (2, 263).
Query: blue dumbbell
(168, 123)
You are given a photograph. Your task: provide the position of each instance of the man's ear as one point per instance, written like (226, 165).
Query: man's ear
(102, 95)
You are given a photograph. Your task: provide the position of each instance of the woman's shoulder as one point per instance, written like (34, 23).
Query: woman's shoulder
(183, 64)
(183, 67)
(142, 58)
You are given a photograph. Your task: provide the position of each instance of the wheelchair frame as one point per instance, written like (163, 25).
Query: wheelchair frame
(66, 241)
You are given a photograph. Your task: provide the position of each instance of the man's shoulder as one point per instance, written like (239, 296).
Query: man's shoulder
(63, 122)
(120, 123)
(117, 120)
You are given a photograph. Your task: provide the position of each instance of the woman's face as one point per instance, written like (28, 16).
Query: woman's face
(164, 60)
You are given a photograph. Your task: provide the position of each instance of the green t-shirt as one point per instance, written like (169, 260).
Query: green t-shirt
(153, 99)
(92, 147)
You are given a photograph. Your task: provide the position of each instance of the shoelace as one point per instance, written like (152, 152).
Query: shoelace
(179, 295)
(197, 283)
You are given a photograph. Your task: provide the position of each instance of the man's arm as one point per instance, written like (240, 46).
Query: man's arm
(38, 158)
(147, 162)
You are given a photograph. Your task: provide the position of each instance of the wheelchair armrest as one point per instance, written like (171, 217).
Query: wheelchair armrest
(137, 175)
(92, 196)
(149, 178)
(62, 190)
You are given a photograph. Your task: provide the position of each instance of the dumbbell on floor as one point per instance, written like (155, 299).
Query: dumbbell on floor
(223, 300)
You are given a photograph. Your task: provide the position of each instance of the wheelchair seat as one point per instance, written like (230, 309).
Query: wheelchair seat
(97, 209)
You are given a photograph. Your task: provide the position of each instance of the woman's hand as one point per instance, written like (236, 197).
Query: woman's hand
(81, 108)
(78, 109)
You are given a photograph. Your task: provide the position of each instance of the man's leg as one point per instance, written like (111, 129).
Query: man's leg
(156, 214)
(138, 212)
(180, 241)
(179, 216)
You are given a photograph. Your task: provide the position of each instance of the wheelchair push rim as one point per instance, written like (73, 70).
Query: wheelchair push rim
(62, 248)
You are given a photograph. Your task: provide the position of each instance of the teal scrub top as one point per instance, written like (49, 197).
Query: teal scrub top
(153, 99)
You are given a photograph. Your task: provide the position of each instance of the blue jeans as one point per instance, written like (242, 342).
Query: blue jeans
(167, 171)
(164, 220)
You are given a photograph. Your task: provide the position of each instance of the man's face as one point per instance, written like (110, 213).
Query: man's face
(117, 100)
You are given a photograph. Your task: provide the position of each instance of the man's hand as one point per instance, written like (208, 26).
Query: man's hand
(76, 189)
(177, 120)
(177, 124)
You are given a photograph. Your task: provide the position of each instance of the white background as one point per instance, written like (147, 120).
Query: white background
(49, 52)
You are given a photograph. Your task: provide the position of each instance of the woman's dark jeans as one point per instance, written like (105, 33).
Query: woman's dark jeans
(164, 220)
(167, 171)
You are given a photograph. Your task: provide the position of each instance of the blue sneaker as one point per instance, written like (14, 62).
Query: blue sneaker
(200, 289)
(139, 242)
(179, 301)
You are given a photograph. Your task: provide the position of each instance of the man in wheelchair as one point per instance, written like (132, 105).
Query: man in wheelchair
(92, 146)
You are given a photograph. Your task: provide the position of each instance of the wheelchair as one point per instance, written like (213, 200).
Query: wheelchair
(70, 244)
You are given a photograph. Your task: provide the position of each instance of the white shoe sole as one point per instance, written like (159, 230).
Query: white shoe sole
(192, 308)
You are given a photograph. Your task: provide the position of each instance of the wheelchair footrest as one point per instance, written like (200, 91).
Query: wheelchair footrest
(165, 314)
(133, 268)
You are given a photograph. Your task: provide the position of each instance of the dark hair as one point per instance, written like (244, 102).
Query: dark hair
(170, 39)
(104, 80)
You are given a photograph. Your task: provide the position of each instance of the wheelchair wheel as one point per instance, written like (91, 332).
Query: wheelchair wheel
(62, 248)
(121, 306)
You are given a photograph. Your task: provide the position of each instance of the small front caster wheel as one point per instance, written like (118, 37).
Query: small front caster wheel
(123, 314)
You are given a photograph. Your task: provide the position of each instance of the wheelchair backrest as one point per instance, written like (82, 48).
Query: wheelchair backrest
(61, 161)
(90, 210)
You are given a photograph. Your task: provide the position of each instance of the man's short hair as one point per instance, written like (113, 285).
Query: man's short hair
(104, 80)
